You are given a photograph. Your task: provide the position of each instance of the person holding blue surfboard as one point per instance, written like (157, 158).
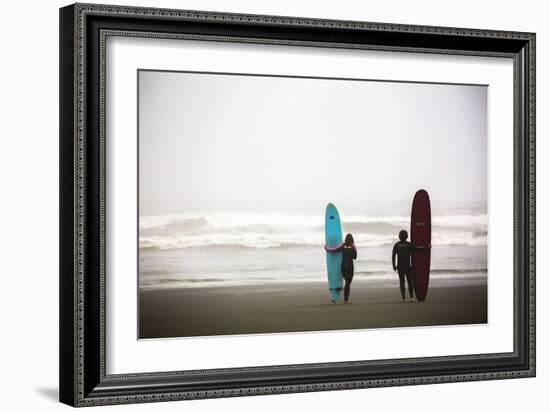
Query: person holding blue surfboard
(349, 253)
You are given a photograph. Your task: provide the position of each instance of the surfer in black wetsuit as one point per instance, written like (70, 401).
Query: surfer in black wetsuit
(349, 253)
(403, 250)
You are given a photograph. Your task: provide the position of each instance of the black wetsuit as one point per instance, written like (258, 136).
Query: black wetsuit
(349, 253)
(403, 250)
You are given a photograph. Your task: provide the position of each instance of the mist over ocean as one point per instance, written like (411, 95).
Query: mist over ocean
(200, 249)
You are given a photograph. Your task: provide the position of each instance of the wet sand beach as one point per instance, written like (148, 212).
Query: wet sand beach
(305, 306)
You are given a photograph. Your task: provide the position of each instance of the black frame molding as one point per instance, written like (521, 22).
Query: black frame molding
(83, 30)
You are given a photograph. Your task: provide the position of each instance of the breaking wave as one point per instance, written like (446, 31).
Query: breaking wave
(271, 230)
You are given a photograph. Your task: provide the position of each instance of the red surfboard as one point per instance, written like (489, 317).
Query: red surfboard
(421, 236)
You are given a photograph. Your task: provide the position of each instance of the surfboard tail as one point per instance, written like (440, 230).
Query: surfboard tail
(335, 294)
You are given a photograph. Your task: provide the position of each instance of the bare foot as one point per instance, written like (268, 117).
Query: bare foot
(347, 302)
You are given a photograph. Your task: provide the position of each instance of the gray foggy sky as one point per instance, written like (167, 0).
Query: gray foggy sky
(225, 142)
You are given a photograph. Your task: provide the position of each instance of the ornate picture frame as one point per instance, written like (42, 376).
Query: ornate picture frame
(84, 29)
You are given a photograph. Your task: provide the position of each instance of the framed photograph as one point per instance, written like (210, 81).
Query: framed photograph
(262, 204)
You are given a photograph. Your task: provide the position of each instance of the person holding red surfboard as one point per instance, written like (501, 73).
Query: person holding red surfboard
(403, 250)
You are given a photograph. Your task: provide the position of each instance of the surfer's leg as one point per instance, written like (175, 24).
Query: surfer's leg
(347, 287)
(401, 282)
(410, 282)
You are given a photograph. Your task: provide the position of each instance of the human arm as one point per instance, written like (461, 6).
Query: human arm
(421, 249)
(354, 252)
(393, 254)
(334, 249)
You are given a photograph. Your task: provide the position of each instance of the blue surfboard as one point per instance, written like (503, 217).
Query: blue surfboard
(333, 237)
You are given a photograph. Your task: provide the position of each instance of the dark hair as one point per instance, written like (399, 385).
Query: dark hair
(403, 235)
(349, 239)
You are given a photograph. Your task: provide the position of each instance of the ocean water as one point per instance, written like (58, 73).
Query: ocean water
(201, 249)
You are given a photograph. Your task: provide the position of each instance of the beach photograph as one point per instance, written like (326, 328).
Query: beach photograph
(279, 204)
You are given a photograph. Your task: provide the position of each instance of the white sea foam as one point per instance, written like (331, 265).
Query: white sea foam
(269, 230)
(150, 282)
